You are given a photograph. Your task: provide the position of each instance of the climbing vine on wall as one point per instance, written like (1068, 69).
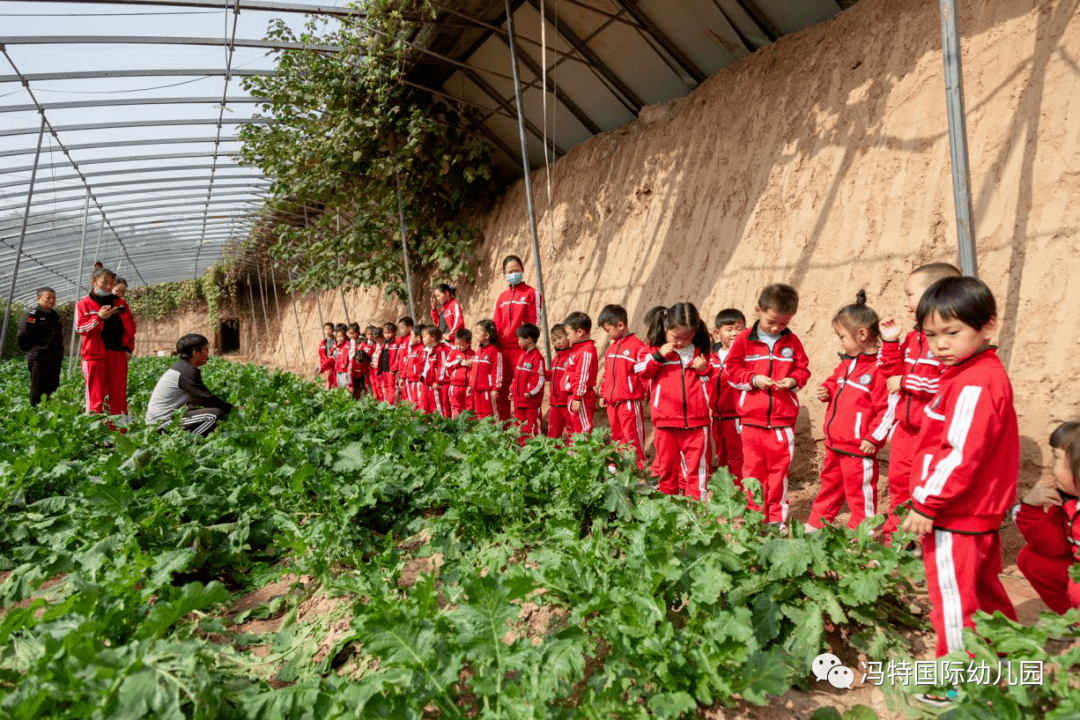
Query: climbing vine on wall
(161, 300)
(347, 128)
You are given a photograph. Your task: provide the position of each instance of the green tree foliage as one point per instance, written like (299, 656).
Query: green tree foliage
(347, 129)
(161, 300)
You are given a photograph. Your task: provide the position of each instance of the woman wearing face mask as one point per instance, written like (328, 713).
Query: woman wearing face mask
(104, 356)
(517, 305)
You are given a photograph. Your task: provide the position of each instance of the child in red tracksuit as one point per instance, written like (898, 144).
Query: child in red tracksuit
(766, 366)
(326, 360)
(360, 360)
(558, 417)
(404, 345)
(726, 434)
(581, 369)
(342, 361)
(1049, 518)
(963, 477)
(913, 373)
(650, 317)
(432, 371)
(457, 369)
(680, 399)
(104, 355)
(486, 373)
(411, 365)
(621, 390)
(387, 363)
(527, 387)
(857, 421)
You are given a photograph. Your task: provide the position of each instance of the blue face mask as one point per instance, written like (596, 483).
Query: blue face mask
(515, 278)
(101, 293)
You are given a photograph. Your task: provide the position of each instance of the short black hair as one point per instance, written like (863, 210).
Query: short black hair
(406, 321)
(511, 258)
(1067, 439)
(779, 298)
(528, 330)
(729, 316)
(612, 315)
(341, 328)
(390, 326)
(42, 290)
(120, 281)
(328, 325)
(859, 316)
(558, 329)
(432, 330)
(190, 344)
(966, 299)
(578, 321)
(464, 335)
(354, 326)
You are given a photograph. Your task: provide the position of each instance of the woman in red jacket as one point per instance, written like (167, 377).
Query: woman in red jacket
(486, 371)
(680, 399)
(517, 305)
(104, 355)
(445, 310)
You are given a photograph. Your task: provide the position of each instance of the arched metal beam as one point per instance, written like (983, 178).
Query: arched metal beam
(128, 158)
(253, 5)
(124, 102)
(97, 74)
(178, 168)
(125, 143)
(142, 123)
(161, 40)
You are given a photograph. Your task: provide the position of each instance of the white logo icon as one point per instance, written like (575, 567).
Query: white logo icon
(823, 664)
(841, 677)
(828, 667)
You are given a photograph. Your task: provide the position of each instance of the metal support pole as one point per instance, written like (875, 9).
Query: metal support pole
(404, 247)
(342, 294)
(528, 179)
(78, 286)
(101, 233)
(262, 298)
(22, 236)
(958, 148)
(251, 300)
(280, 320)
(296, 316)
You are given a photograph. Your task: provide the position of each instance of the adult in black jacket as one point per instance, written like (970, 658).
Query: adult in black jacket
(182, 386)
(41, 336)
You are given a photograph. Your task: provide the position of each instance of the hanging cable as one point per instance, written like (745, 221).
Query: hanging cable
(548, 159)
(296, 315)
(262, 298)
(251, 301)
(280, 320)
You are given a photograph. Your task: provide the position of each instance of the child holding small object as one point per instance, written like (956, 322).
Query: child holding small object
(486, 373)
(726, 433)
(857, 421)
(966, 461)
(581, 369)
(1049, 518)
(527, 386)
(620, 390)
(558, 417)
(457, 368)
(680, 399)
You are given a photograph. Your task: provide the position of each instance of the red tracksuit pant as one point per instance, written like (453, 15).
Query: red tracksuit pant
(767, 457)
(459, 400)
(483, 404)
(684, 460)
(389, 385)
(1050, 578)
(444, 400)
(428, 400)
(845, 477)
(627, 422)
(528, 420)
(962, 577)
(901, 450)
(727, 438)
(502, 396)
(375, 383)
(106, 377)
(558, 420)
(581, 420)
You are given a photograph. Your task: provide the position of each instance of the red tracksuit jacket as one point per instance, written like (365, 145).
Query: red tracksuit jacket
(455, 367)
(963, 473)
(486, 371)
(411, 362)
(517, 305)
(557, 375)
(433, 368)
(449, 319)
(342, 361)
(749, 356)
(859, 407)
(681, 397)
(89, 325)
(326, 350)
(921, 373)
(527, 387)
(1054, 533)
(581, 369)
(621, 382)
(723, 394)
